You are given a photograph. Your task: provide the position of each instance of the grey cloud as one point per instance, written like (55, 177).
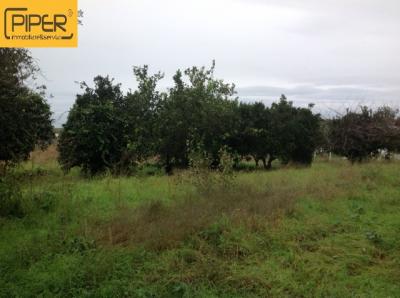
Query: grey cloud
(329, 101)
(332, 93)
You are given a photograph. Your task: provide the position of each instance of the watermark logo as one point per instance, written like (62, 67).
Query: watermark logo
(38, 23)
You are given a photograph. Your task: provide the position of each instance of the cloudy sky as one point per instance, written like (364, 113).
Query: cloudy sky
(334, 53)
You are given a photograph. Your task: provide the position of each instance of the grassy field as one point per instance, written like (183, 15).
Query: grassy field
(332, 230)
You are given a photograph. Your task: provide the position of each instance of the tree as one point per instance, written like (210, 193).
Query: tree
(295, 132)
(25, 117)
(196, 116)
(176, 121)
(141, 114)
(360, 135)
(252, 135)
(307, 135)
(94, 136)
(387, 129)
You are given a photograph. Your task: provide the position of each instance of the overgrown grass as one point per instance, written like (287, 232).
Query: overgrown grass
(332, 230)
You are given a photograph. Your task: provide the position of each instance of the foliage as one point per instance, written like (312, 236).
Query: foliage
(107, 130)
(94, 135)
(252, 135)
(141, 111)
(198, 114)
(195, 114)
(295, 132)
(360, 135)
(25, 117)
(17, 65)
(282, 131)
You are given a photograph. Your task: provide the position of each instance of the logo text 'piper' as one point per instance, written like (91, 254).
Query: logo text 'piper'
(39, 23)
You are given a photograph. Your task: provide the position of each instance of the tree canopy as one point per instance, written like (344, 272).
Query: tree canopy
(25, 116)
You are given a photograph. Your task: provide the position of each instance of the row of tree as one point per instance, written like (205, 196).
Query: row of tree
(109, 130)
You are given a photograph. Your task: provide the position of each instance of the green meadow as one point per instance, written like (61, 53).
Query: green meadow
(330, 230)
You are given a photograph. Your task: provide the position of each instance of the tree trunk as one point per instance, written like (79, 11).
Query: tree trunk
(270, 160)
(168, 166)
(264, 163)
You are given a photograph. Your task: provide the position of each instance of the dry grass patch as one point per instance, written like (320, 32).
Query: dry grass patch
(45, 157)
(159, 225)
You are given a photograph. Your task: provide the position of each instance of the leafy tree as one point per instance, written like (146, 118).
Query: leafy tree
(308, 136)
(141, 114)
(295, 132)
(94, 136)
(25, 117)
(197, 115)
(252, 136)
(107, 130)
(176, 120)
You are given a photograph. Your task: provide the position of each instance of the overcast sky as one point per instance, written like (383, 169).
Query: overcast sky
(334, 53)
